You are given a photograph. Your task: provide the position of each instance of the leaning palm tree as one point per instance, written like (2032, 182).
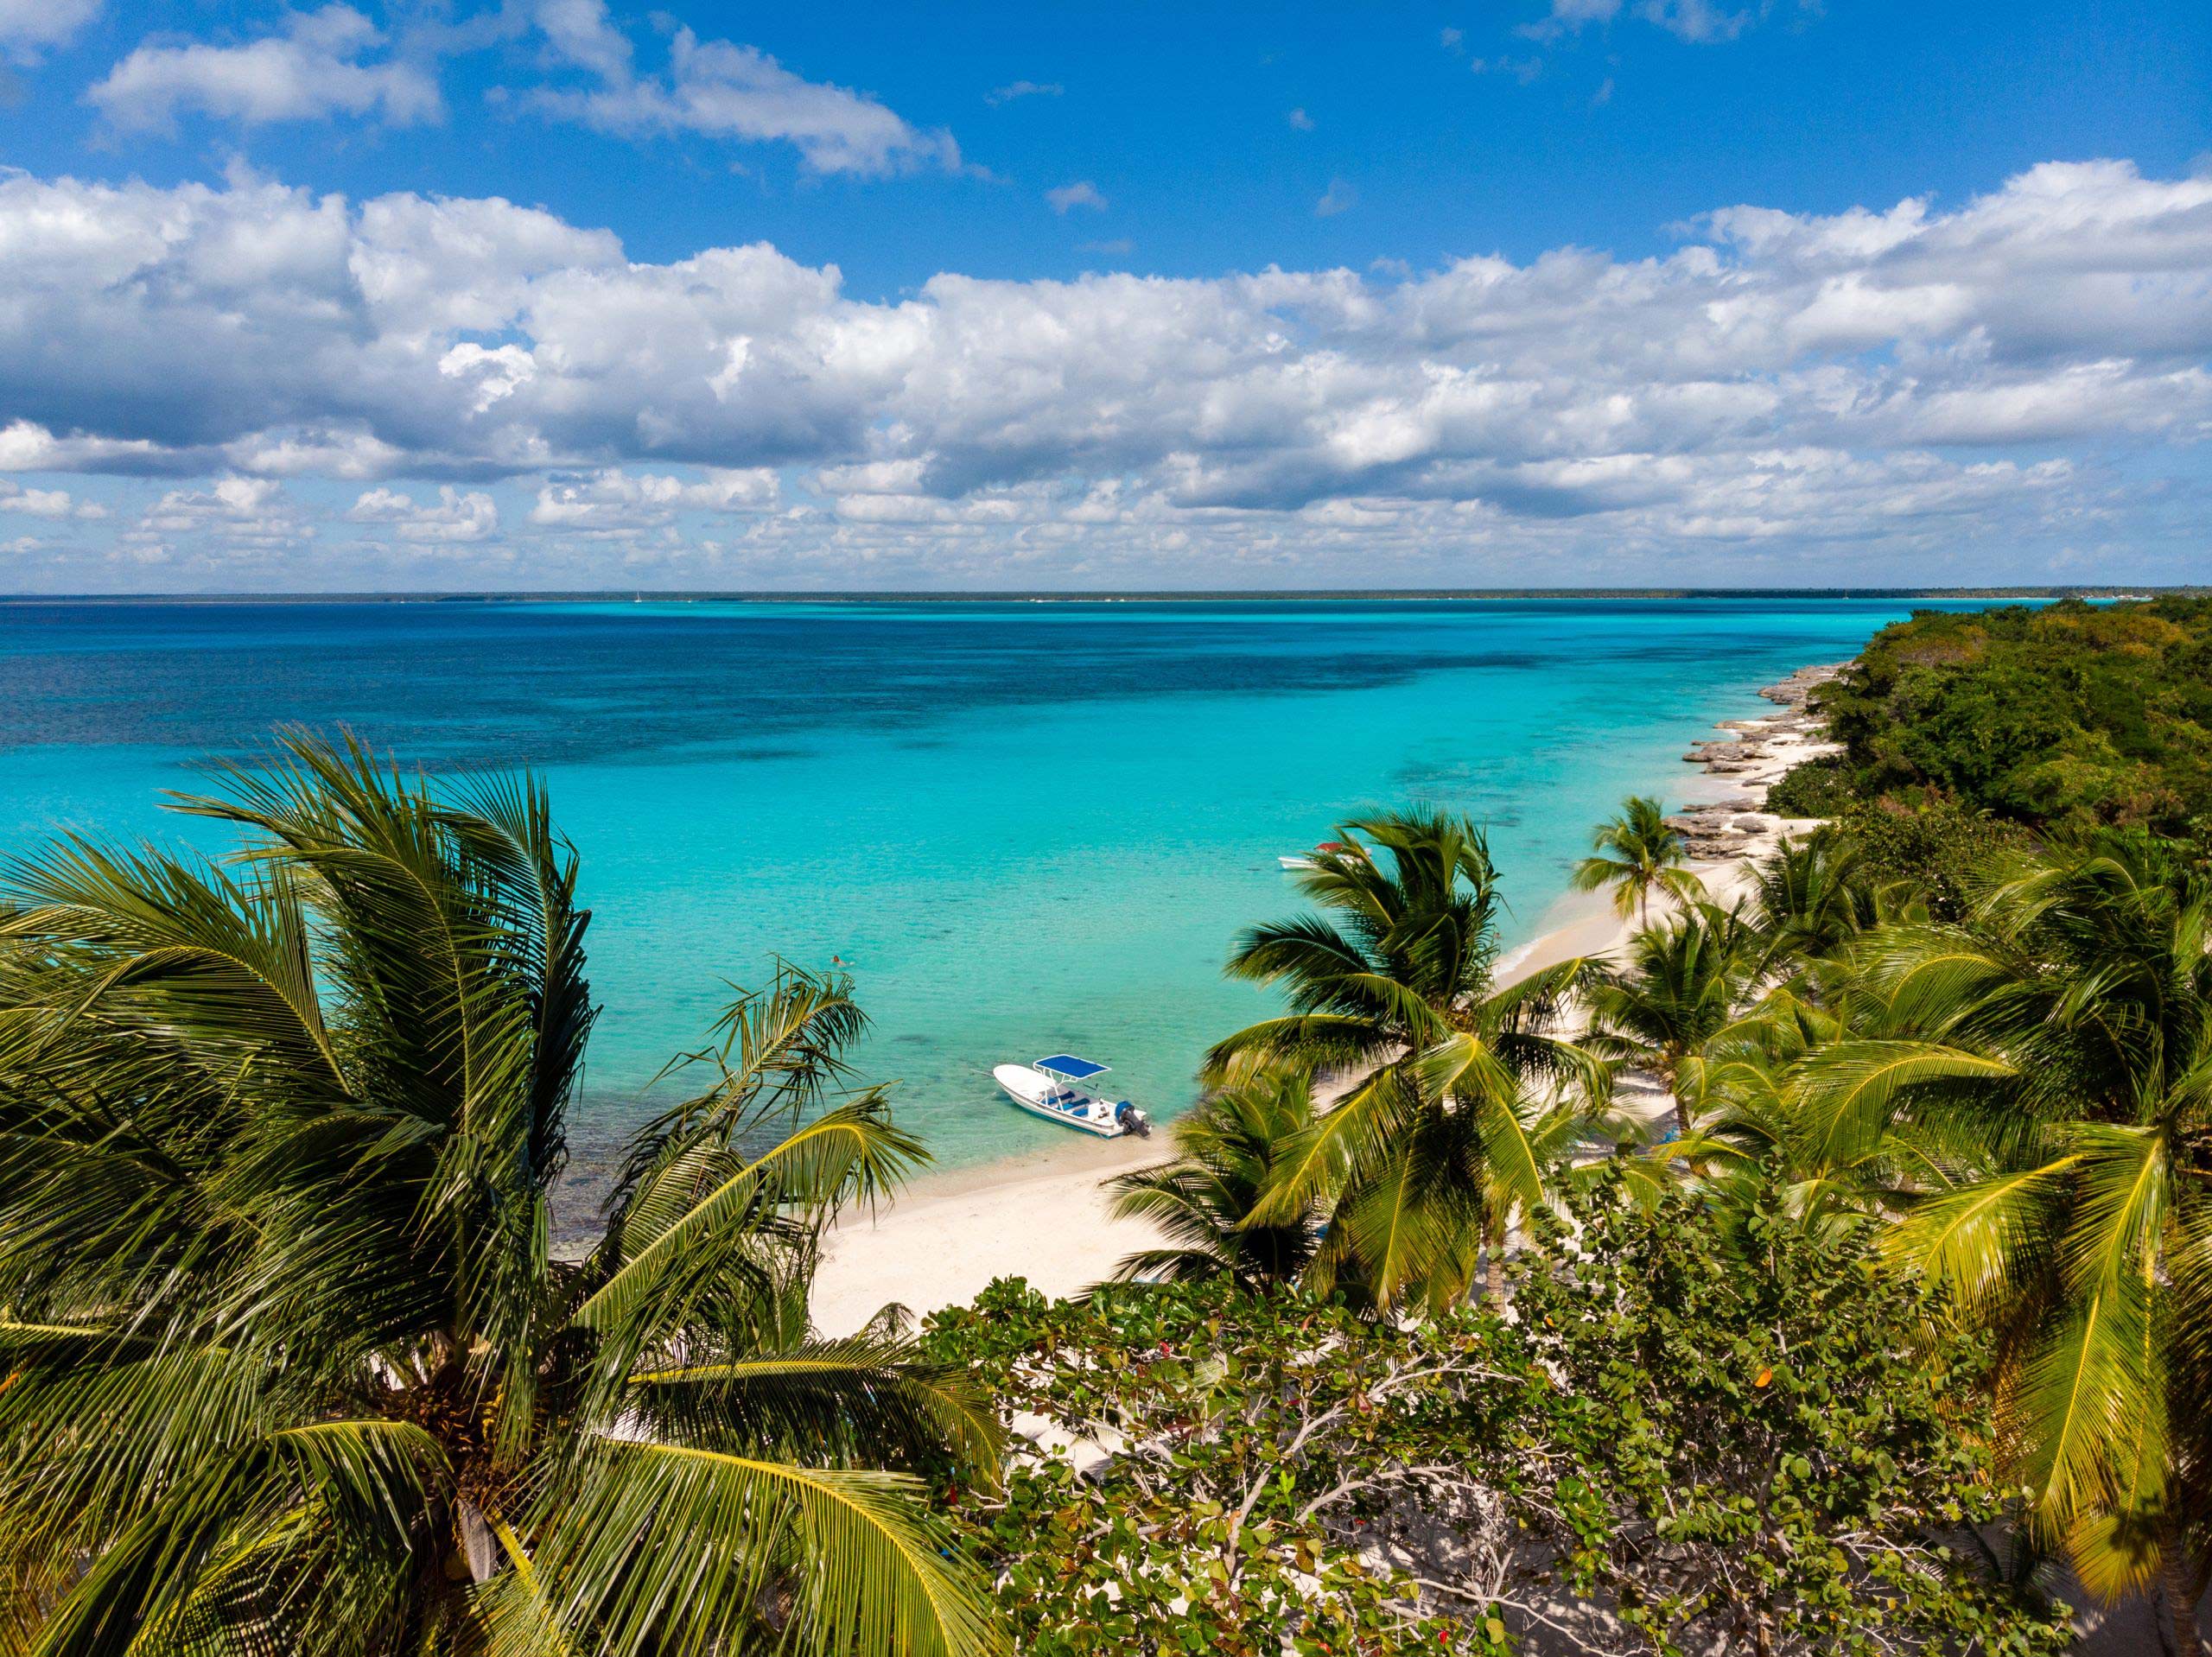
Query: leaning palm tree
(1205, 1197)
(1456, 1084)
(290, 1363)
(1638, 855)
(2050, 1065)
(1685, 980)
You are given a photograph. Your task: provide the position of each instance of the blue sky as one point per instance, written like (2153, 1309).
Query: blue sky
(1589, 290)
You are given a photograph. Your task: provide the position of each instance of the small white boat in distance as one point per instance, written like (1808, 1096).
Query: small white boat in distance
(1311, 859)
(1050, 1088)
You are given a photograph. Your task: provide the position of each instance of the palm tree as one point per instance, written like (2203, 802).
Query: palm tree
(1227, 1151)
(288, 1360)
(1637, 855)
(1459, 1087)
(1814, 895)
(2050, 1065)
(1684, 981)
(1744, 1146)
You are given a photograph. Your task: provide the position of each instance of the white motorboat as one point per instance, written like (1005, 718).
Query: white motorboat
(1313, 859)
(1051, 1087)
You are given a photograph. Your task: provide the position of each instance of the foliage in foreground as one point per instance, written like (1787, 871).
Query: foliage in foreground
(1689, 1433)
(285, 1362)
(2040, 1076)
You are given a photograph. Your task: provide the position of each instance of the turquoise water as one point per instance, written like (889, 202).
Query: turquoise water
(1027, 827)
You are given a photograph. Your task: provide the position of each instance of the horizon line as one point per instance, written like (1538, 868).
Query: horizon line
(1080, 595)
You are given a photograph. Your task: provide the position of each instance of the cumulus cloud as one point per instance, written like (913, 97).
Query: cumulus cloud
(26, 446)
(724, 90)
(1700, 21)
(1339, 197)
(319, 452)
(616, 504)
(312, 69)
(1081, 193)
(1299, 121)
(1901, 378)
(30, 29)
(238, 516)
(455, 517)
(45, 503)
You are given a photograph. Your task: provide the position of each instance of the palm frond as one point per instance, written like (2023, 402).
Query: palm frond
(1846, 1094)
(858, 1396)
(684, 1550)
(853, 1152)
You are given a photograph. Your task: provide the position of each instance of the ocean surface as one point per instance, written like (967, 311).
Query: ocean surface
(1027, 827)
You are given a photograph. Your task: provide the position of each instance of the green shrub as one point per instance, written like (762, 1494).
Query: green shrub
(1933, 846)
(1819, 788)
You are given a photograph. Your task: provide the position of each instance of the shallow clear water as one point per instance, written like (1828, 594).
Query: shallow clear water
(1027, 827)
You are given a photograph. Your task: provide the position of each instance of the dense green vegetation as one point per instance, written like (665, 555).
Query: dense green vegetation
(2067, 717)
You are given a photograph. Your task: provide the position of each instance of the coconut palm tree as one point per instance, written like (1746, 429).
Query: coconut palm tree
(1226, 1153)
(1812, 895)
(1637, 855)
(2050, 1064)
(1685, 979)
(289, 1361)
(1459, 1090)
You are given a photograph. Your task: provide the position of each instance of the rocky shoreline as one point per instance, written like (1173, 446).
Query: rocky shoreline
(1736, 823)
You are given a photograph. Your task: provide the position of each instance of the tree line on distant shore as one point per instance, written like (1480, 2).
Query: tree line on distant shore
(2059, 718)
(1810, 1274)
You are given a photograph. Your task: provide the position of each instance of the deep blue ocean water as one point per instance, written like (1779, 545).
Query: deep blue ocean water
(1027, 827)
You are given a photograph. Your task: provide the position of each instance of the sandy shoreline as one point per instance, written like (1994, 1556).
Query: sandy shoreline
(1043, 1215)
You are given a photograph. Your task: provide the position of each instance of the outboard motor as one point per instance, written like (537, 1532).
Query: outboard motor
(1134, 1120)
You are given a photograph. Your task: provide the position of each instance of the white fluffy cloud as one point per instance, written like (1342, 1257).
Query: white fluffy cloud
(616, 504)
(45, 503)
(455, 517)
(312, 69)
(30, 28)
(1901, 380)
(331, 62)
(237, 518)
(722, 89)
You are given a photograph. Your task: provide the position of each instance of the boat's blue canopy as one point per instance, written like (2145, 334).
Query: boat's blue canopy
(1069, 1065)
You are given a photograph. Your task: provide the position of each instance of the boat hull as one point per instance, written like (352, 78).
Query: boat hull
(1033, 1092)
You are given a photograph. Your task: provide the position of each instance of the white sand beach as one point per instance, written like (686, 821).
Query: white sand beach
(1045, 1217)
